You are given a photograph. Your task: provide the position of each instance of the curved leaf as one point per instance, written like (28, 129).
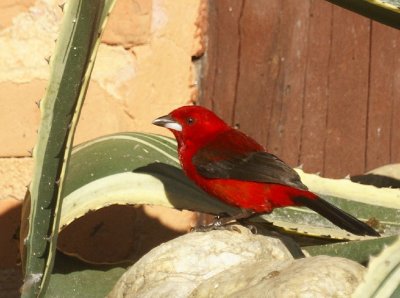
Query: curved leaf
(383, 276)
(136, 168)
(71, 67)
(359, 251)
(131, 168)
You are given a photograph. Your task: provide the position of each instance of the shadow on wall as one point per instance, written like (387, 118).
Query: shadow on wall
(112, 235)
(10, 270)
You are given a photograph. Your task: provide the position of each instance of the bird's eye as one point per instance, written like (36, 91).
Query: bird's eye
(189, 120)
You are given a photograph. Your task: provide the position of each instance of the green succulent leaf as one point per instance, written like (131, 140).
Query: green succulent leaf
(359, 251)
(137, 168)
(383, 276)
(115, 154)
(131, 168)
(71, 66)
(74, 279)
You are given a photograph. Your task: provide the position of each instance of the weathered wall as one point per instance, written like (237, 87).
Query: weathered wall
(143, 70)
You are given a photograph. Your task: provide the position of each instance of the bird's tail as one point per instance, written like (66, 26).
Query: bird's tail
(337, 216)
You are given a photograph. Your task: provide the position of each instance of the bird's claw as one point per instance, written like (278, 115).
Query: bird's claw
(253, 229)
(211, 227)
(207, 228)
(224, 221)
(216, 226)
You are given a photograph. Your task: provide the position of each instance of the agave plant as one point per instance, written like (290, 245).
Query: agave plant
(71, 66)
(135, 168)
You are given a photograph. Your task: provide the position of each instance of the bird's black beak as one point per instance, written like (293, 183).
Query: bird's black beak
(167, 122)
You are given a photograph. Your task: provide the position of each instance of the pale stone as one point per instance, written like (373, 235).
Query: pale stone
(176, 268)
(320, 276)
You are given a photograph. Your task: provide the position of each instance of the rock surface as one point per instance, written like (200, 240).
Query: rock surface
(235, 264)
(319, 276)
(177, 267)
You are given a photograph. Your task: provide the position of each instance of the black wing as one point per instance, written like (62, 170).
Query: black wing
(232, 156)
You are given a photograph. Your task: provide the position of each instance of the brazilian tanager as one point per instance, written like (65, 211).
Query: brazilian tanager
(237, 170)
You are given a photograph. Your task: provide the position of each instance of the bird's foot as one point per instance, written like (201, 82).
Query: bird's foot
(249, 226)
(253, 229)
(225, 222)
(211, 227)
(219, 223)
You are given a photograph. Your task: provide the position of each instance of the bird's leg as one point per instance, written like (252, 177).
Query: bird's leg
(223, 220)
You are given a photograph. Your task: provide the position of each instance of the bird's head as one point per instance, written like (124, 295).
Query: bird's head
(192, 124)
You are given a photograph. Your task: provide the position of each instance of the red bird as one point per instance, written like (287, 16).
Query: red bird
(234, 168)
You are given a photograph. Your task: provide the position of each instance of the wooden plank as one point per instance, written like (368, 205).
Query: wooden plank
(384, 51)
(295, 76)
(348, 94)
(222, 62)
(259, 67)
(294, 28)
(316, 87)
(395, 96)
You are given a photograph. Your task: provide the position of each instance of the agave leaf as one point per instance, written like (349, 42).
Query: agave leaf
(304, 221)
(121, 169)
(74, 279)
(130, 168)
(359, 251)
(345, 188)
(105, 172)
(379, 206)
(71, 67)
(383, 276)
(118, 153)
